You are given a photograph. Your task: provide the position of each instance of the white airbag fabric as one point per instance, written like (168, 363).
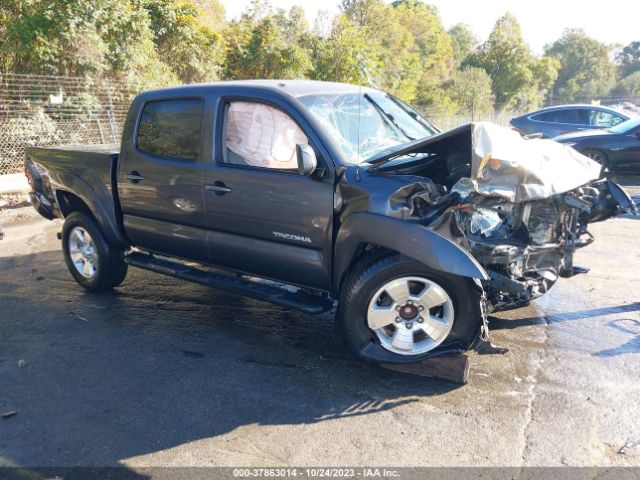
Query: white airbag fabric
(519, 170)
(263, 136)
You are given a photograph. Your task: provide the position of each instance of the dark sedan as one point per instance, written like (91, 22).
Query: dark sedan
(617, 148)
(554, 121)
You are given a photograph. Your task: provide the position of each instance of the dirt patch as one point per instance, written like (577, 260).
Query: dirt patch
(16, 208)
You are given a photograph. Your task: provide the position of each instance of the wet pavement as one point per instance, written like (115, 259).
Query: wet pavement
(161, 372)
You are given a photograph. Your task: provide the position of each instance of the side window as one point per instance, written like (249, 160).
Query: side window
(545, 117)
(574, 117)
(260, 135)
(600, 118)
(171, 129)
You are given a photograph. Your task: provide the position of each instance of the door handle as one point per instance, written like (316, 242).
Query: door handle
(219, 188)
(134, 177)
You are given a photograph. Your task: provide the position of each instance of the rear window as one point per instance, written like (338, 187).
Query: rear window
(171, 129)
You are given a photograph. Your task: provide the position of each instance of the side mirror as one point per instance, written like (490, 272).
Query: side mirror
(307, 161)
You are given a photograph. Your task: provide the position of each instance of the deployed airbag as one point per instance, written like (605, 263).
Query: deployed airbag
(505, 164)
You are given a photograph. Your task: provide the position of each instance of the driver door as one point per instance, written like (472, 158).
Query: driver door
(264, 218)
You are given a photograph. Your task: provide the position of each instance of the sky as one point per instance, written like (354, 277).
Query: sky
(542, 21)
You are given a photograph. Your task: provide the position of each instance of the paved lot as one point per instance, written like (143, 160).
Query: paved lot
(161, 372)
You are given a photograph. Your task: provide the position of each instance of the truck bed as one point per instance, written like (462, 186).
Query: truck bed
(87, 171)
(91, 163)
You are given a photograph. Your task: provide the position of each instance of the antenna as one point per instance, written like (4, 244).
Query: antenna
(358, 136)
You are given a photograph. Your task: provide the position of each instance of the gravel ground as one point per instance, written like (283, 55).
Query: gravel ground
(165, 373)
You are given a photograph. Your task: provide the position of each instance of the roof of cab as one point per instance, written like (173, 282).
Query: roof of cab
(295, 88)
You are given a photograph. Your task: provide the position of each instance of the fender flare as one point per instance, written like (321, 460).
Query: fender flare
(101, 205)
(410, 239)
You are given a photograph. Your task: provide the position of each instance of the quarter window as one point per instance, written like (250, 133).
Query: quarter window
(600, 118)
(259, 135)
(171, 129)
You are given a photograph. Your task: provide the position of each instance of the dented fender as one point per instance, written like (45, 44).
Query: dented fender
(408, 238)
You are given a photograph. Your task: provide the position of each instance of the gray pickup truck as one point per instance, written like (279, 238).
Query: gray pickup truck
(307, 194)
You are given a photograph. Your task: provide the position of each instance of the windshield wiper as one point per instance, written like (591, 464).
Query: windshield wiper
(388, 116)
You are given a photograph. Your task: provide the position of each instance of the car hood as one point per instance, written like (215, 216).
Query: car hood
(582, 134)
(503, 163)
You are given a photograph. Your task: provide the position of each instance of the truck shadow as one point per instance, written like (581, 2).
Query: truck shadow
(159, 363)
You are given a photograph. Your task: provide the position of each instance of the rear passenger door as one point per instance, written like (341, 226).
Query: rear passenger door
(160, 179)
(264, 217)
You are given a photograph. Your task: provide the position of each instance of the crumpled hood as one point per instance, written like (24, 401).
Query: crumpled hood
(505, 164)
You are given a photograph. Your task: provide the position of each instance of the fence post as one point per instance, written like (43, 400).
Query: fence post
(110, 114)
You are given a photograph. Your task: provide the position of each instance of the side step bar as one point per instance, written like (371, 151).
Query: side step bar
(299, 300)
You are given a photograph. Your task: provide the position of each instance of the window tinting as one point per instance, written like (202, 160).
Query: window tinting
(571, 116)
(171, 128)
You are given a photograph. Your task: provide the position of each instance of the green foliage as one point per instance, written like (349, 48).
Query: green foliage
(463, 42)
(193, 49)
(265, 44)
(470, 89)
(344, 56)
(629, 86)
(400, 47)
(586, 71)
(629, 59)
(514, 71)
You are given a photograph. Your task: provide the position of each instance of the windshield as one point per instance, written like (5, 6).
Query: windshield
(627, 126)
(363, 124)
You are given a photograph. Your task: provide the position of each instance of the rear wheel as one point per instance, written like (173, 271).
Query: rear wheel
(92, 262)
(394, 309)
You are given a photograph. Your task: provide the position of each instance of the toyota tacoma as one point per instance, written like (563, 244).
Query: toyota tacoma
(313, 194)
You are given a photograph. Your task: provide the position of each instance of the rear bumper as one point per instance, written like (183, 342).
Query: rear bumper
(42, 205)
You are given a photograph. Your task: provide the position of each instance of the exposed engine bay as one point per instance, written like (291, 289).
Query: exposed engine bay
(520, 207)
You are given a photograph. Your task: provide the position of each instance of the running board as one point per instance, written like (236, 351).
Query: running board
(298, 300)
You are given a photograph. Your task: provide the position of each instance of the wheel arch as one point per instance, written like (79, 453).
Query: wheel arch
(77, 195)
(362, 232)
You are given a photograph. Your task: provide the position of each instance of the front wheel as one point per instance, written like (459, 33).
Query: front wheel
(92, 262)
(396, 310)
(596, 155)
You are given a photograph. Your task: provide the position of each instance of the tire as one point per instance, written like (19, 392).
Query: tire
(596, 155)
(371, 275)
(94, 264)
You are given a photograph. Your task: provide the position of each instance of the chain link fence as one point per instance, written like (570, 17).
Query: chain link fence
(47, 110)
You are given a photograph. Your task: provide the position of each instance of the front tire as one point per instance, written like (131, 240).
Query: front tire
(94, 264)
(395, 310)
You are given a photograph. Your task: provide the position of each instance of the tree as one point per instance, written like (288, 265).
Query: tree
(193, 50)
(629, 59)
(433, 48)
(344, 56)
(463, 42)
(470, 90)
(629, 86)
(586, 71)
(211, 14)
(66, 37)
(514, 71)
(260, 45)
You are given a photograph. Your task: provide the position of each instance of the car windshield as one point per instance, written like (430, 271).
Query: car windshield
(363, 124)
(625, 127)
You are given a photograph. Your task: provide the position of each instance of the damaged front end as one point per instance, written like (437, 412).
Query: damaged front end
(520, 207)
(525, 247)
